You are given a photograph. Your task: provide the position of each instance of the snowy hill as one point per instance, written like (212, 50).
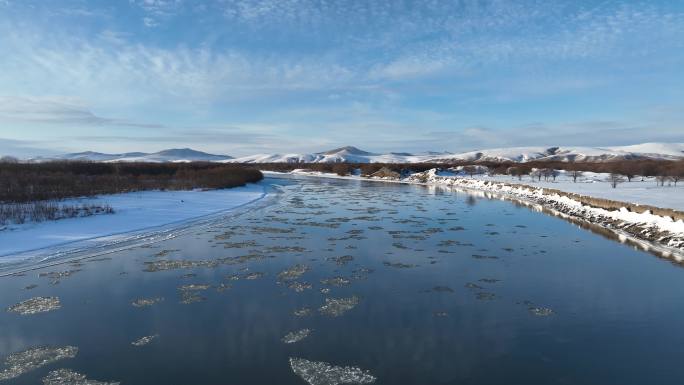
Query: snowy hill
(514, 154)
(355, 155)
(573, 154)
(170, 155)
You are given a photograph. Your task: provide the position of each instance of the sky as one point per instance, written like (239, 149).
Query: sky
(240, 77)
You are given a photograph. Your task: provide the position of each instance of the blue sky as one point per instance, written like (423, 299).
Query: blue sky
(241, 77)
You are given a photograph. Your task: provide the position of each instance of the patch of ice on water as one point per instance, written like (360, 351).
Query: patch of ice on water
(25, 361)
(69, 377)
(36, 305)
(146, 302)
(541, 311)
(322, 373)
(293, 272)
(335, 307)
(296, 336)
(142, 341)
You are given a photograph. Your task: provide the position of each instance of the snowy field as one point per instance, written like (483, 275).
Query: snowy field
(132, 212)
(595, 185)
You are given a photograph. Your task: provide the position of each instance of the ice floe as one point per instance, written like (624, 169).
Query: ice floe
(36, 305)
(322, 373)
(296, 336)
(142, 341)
(25, 361)
(69, 377)
(336, 307)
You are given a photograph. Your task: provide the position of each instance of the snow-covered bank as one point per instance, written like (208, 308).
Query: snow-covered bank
(638, 191)
(132, 212)
(641, 226)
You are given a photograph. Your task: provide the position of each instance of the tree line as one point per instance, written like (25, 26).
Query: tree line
(662, 170)
(28, 182)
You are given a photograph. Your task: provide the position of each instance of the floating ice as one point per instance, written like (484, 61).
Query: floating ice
(223, 287)
(189, 293)
(296, 336)
(194, 287)
(36, 305)
(336, 281)
(335, 307)
(398, 265)
(69, 377)
(142, 341)
(299, 286)
(322, 373)
(293, 272)
(303, 312)
(167, 264)
(22, 362)
(489, 280)
(252, 276)
(541, 311)
(56, 276)
(341, 261)
(164, 253)
(471, 285)
(145, 302)
(484, 296)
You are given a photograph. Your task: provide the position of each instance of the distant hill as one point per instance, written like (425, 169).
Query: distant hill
(512, 154)
(351, 154)
(170, 155)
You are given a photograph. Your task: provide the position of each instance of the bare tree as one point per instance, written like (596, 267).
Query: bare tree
(536, 173)
(627, 168)
(676, 172)
(615, 179)
(554, 174)
(661, 179)
(471, 170)
(8, 159)
(575, 174)
(515, 172)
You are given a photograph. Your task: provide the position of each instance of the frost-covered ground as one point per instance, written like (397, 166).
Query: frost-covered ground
(644, 192)
(132, 212)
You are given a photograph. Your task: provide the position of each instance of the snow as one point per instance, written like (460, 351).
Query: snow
(644, 192)
(354, 155)
(132, 212)
(514, 154)
(170, 155)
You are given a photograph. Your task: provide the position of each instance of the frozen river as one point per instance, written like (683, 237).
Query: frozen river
(340, 281)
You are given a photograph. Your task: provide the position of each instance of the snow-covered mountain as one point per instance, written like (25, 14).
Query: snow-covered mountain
(513, 154)
(349, 154)
(572, 154)
(170, 155)
(354, 155)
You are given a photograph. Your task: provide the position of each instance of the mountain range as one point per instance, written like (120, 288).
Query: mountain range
(667, 151)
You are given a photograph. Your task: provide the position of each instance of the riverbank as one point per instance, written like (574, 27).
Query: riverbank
(132, 212)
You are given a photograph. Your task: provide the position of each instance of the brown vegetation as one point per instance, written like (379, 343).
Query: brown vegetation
(30, 182)
(664, 170)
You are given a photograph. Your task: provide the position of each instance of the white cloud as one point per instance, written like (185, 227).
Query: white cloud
(150, 22)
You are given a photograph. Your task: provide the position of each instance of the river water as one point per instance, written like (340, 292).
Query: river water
(359, 281)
